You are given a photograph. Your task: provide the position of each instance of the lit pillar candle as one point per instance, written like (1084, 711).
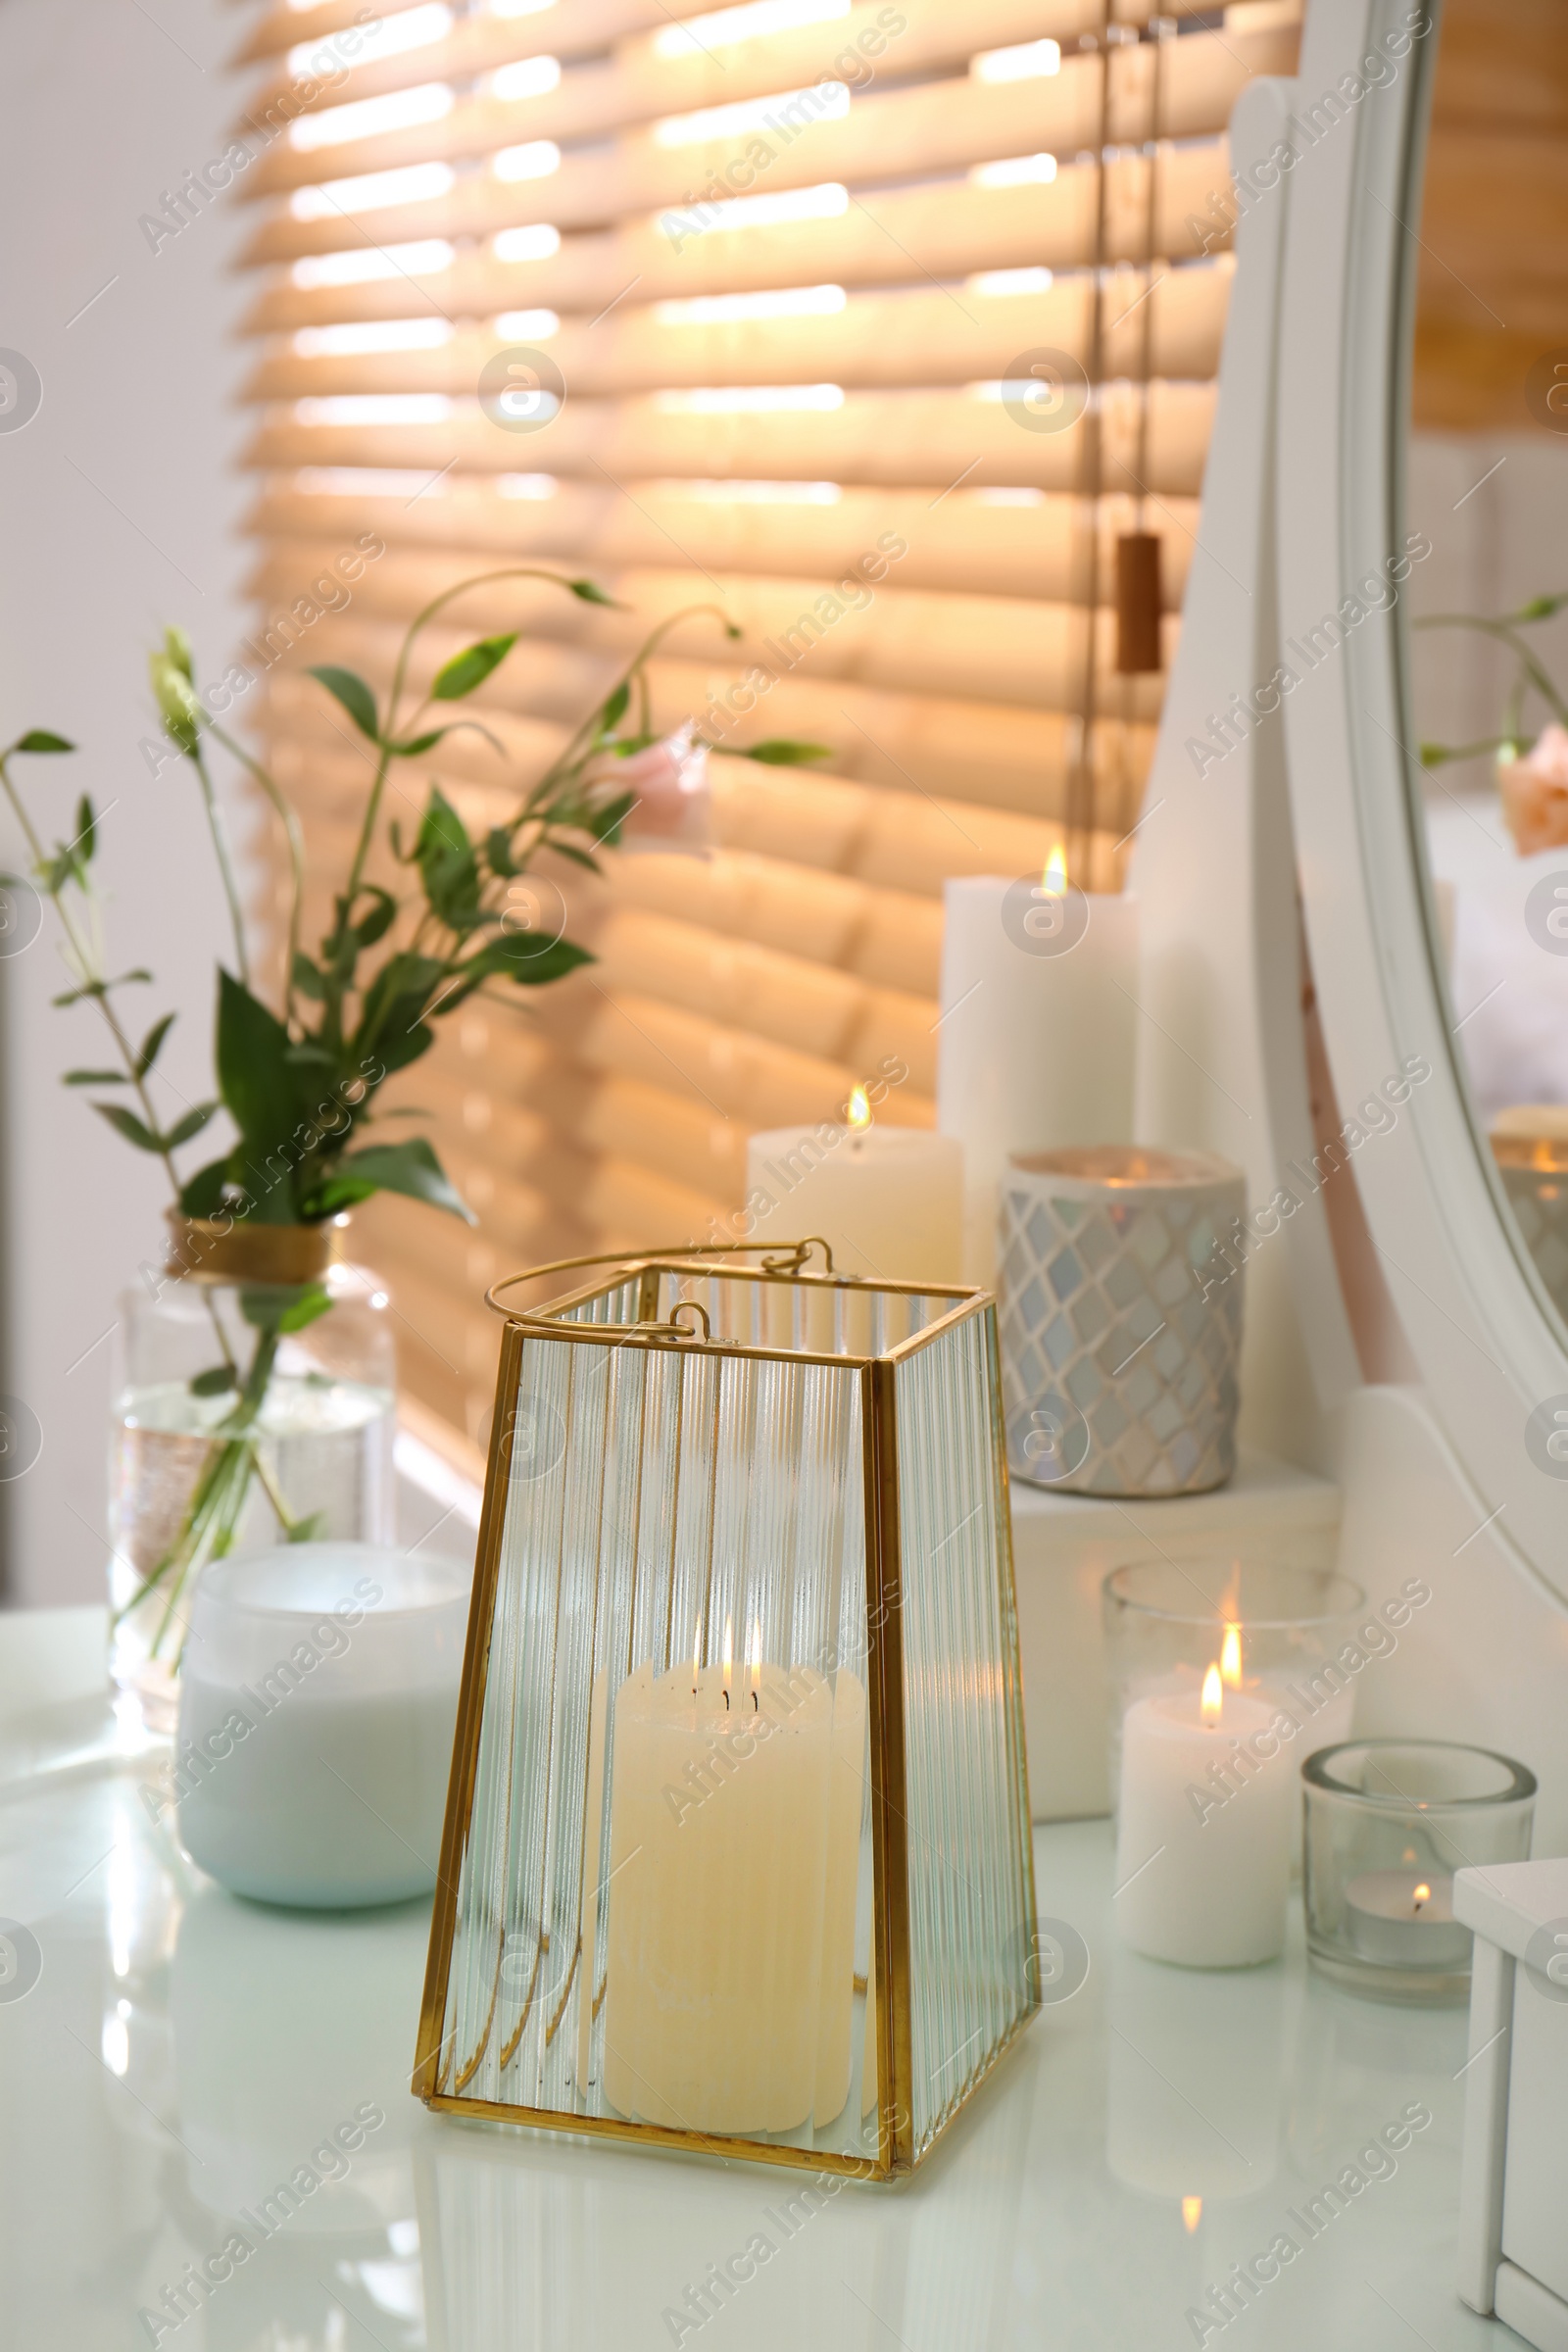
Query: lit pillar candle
(726, 1967)
(886, 1199)
(1036, 1036)
(1208, 1797)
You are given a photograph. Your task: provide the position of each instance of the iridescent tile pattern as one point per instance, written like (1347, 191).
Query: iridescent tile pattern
(1119, 1305)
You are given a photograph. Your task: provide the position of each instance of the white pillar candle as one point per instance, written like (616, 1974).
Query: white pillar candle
(1036, 1037)
(1202, 1860)
(886, 1199)
(730, 1974)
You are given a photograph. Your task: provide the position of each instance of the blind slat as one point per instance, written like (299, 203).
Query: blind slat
(897, 233)
(998, 646)
(898, 438)
(1036, 550)
(893, 338)
(657, 72)
(885, 135)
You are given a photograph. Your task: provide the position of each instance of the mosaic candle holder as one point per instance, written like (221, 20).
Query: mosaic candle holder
(1120, 1314)
(737, 1849)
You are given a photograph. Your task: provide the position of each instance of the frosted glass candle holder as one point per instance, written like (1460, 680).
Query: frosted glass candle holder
(1388, 1823)
(737, 1846)
(1293, 1643)
(317, 1699)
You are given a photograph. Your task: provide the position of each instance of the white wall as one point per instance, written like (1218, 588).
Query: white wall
(118, 512)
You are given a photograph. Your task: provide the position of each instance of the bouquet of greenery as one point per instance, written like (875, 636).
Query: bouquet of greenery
(301, 1083)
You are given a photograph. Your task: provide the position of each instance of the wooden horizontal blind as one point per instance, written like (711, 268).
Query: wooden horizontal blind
(790, 266)
(1492, 265)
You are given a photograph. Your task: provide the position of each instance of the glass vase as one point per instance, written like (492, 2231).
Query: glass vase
(255, 1403)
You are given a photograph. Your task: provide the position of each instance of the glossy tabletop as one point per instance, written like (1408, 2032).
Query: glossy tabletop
(182, 2057)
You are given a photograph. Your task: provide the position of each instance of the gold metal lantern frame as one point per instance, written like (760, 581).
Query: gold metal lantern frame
(737, 1846)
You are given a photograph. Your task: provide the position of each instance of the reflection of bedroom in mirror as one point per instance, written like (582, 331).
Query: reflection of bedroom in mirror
(1487, 482)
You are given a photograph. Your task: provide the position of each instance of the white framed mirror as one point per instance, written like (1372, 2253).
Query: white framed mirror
(1369, 531)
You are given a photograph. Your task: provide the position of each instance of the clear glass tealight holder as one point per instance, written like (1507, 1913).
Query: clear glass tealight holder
(1296, 1636)
(1388, 1823)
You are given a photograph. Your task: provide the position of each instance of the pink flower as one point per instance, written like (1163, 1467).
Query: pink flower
(673, 808)
(1534, 794)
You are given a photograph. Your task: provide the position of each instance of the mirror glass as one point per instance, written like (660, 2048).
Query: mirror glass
(1486, 489)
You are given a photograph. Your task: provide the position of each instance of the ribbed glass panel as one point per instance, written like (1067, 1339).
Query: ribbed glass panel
(664, 1899)
(667, 1908)
(970, 1901)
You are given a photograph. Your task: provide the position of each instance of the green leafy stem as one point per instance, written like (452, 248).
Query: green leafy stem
(300, 1085)
(1530, 676)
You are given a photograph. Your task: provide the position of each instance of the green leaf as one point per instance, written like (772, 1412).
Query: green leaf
(95, 1078)
(39, 738)
(305, 1531)
(564, 849)
(354, 695)
(498, 852)
(191, 1124)
(305, 1310)
(152, 1045)
(272, 1309)
(85, 842)
(263, 1095)
(126, 1123)
(513, 958)
(307, 978)
(447, 866)
(381, 919)
(470, 669)
(411, 1168)
(780, 752)
(74, 996)
(604, 825)
(216, 1383)
(418, 745)
(614, 710)
(204, 1195)
(592, 594)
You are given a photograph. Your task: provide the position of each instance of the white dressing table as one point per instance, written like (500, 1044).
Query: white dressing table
(181, 2054)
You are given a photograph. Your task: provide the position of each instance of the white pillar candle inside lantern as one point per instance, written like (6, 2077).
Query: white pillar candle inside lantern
(1035, 1043)
(1209, 1796)
(886, 1199)
(722, 1828)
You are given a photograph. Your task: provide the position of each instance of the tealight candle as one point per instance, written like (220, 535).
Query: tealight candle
(1204, 1844)
(1407, 1918)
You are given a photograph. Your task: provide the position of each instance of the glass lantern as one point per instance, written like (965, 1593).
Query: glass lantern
(737, 1845)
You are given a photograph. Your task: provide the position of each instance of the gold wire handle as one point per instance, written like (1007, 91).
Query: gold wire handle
(781, 1265)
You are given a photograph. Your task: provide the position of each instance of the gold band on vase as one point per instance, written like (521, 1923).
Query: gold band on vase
(236, 1250)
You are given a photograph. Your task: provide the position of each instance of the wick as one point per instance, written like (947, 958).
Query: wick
(755, 1708)
(726, 1703)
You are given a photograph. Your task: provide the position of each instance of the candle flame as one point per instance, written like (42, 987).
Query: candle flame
(1192, 2213)
(860, 1109)
(1213, 1700)
(1054, 877)
(1230, 1657)
(1423, 1894)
